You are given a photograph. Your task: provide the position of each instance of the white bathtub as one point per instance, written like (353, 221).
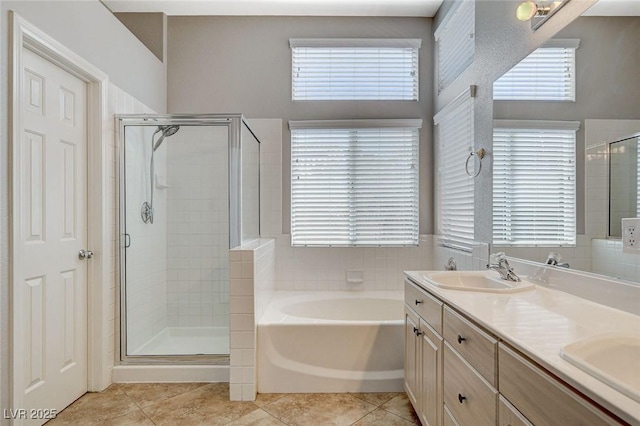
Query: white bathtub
(331, 342)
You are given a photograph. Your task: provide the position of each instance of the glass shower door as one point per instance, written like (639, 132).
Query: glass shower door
(177, 240)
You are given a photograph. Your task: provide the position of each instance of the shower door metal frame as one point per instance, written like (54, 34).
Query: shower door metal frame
(234, 123)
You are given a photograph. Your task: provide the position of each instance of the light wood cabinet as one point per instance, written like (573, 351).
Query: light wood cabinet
(508, 415)
(477, 347)
(431, 345)
(541, 398)
(469, 397)
(458, 374)
(423, 352)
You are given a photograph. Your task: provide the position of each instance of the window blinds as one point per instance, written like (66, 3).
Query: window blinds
(455, 137)
(354, 183)
(456, 42)
(354, 69)
(534, 186)
(548, 74)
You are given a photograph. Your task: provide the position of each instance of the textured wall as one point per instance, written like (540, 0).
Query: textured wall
(501, 42)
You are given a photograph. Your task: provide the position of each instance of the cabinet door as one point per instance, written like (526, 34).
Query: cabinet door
(430, 376)
(411, 357)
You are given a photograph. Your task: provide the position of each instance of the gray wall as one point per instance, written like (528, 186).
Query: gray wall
(91, 31)
(501, 42)
(243, 64)
(607, 86)
(150, 28)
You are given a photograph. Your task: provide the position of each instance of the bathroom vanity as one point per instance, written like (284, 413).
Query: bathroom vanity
(493, 357)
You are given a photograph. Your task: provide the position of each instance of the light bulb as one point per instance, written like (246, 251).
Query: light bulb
(526, 10)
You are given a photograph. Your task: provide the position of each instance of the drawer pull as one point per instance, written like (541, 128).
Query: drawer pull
(419, 301)
(461, 339)
(461, 398)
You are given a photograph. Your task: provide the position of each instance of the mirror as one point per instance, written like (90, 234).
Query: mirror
(606, 109)
(624, 193)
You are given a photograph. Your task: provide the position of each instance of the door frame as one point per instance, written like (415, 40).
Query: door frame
(25, 35)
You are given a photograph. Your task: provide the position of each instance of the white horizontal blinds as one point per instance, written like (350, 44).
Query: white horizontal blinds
(354, 69)
(456, 197)
(548, 74)
(354, 186)
(455, 37)
(534, 185)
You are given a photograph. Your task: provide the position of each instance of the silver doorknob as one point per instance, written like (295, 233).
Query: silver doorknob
(85, 254)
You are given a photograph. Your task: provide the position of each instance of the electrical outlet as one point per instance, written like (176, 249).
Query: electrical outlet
(630, 237)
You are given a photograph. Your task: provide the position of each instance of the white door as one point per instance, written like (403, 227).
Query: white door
(50, 286)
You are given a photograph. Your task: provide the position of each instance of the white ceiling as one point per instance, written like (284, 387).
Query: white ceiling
(422, 8)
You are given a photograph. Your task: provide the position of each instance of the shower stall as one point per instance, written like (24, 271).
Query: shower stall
(189, 191)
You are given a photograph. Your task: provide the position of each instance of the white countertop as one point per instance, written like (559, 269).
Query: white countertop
(539, 323)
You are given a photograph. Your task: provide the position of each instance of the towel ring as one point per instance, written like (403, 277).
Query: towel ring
(480, 153)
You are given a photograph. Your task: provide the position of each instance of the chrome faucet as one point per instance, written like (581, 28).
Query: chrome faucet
(451, 265)
(554, 260)
(498, 262)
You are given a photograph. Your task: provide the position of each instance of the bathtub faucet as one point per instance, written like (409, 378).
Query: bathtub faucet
(554, 260)
(498, 262)
(451, 265)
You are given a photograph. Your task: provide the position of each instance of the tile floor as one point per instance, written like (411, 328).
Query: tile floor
(187, 404)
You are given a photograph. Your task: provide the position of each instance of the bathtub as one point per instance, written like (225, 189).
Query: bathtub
(331, 342)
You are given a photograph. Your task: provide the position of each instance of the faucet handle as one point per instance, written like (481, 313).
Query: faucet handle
(553, 258)
(497, 258)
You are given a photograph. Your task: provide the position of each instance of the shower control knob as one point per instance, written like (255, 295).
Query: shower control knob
(85, 254)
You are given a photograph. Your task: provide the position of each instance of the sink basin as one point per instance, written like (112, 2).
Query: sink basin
(611, 358)
(484, 281)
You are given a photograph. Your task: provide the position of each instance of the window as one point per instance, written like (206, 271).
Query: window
(534, 185)
(456, 41)
(354, 183)
(354, 69)
(455, 138)
(548, 74)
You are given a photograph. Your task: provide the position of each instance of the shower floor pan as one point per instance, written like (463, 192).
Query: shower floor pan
(187, 341)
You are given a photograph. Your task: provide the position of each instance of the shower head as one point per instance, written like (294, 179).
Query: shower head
(166, 132)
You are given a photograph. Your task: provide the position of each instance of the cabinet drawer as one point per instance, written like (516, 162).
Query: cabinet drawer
(476, 346)
(469, 397)
(427, 306)
(448, 418)
(541, 398)
(509, 416)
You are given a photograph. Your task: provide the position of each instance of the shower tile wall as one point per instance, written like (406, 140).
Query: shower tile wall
(198, 228)
(146, 265)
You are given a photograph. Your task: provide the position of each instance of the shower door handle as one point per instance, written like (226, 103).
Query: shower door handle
(85, 254)
(127, 240)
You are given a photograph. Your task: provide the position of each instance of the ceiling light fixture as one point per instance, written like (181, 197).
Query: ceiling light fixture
(529, 9)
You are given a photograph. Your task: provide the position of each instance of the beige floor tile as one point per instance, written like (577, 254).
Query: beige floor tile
(208, 404)
(319, 409)
(377, 398)
(263, 399)
(135, 418)
(96, 407)
(401, 406)
(258, 417)
(145, 394)
(380, 417)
